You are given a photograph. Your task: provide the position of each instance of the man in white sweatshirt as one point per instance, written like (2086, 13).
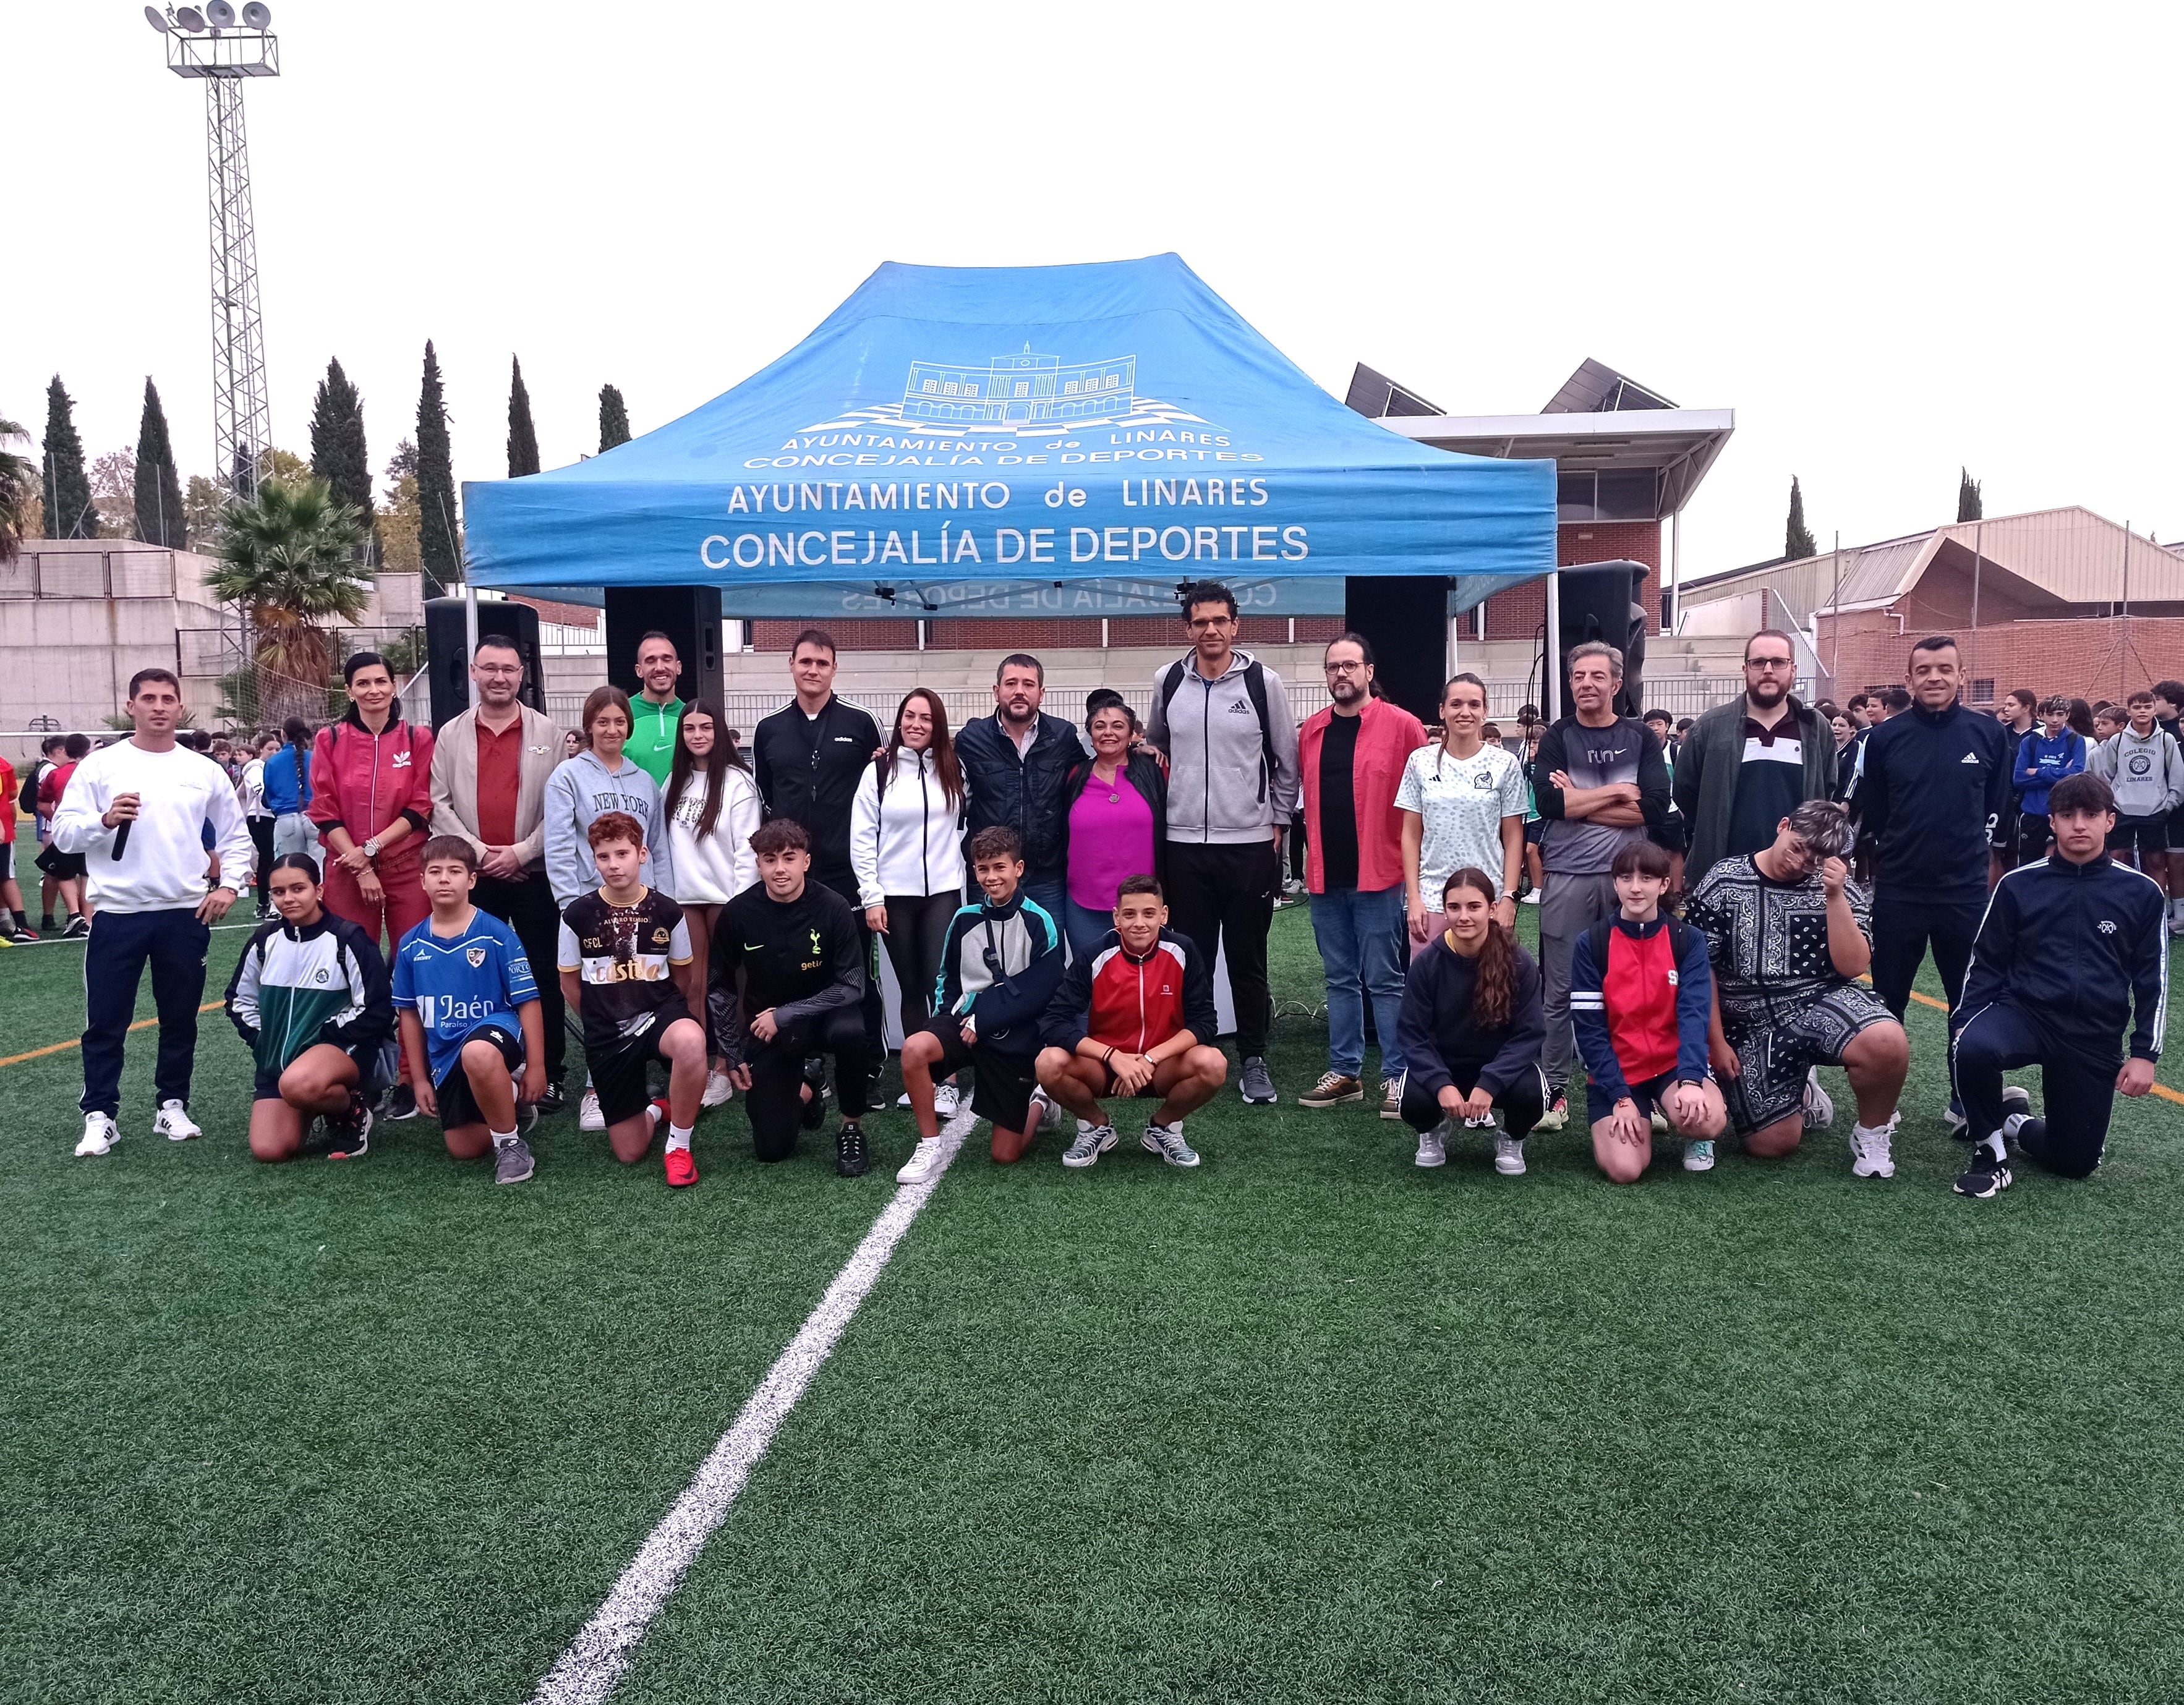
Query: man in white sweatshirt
(137, 811)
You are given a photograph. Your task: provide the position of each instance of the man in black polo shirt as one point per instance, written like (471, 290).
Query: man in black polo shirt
(1749, 763)
(807, 758)
(1931, 786)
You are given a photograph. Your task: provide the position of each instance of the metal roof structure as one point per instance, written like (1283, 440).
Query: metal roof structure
(2060, 562)
(1647, 456)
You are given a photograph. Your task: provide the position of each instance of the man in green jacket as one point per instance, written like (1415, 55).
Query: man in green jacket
(655, 713)
(1748, 763)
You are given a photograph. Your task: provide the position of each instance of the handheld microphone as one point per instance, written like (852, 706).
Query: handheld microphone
(121, 836)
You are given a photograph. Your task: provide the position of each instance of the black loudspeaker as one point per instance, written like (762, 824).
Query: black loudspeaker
(447, 645)
(1599, 600)
(690, 615)
(1406, 616)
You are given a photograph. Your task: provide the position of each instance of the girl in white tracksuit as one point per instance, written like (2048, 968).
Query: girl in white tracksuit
(905, 847)
(712, 808)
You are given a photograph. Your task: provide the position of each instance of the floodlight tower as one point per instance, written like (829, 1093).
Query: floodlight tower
(223, 48)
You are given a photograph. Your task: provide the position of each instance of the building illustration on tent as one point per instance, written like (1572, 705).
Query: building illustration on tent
(1023, 388)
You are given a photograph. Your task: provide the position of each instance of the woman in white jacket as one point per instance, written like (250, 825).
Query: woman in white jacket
(712, 808)
(906, 826)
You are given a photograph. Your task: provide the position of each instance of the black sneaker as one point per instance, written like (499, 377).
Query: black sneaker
(1986, 1177)
(552, 1102)
(79, 926)
(851, 1159)
(349, 1138)
(401, 1103)
(815, 1110)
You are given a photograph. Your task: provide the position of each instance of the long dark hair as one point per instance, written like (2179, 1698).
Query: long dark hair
(1494, 996)
(2081, 718)
(945, 765)
(297, 733)
(725, 756)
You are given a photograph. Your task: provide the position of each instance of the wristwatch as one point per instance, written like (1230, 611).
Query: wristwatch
(370, 847)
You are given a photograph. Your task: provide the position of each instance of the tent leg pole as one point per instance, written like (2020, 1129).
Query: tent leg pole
(1551, 666)
(470, 637)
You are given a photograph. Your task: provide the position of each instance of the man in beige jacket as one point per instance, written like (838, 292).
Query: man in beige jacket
(489, 771)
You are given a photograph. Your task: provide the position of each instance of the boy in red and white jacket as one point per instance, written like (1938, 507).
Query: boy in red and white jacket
(1134, 1018)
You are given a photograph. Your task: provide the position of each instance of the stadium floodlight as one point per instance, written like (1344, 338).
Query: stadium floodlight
(258, 15)
(220, 14)
(153, 16)
(190, 19)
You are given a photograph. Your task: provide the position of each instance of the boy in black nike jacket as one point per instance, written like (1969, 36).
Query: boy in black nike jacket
(2073, 946)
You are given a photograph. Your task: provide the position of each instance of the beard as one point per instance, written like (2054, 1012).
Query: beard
(1346, 692)
(1767, 695)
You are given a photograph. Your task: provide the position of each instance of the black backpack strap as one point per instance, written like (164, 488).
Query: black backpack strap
(1171, 683)
(1255, 686)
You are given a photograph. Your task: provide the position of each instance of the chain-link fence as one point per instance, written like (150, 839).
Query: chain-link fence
(247, 681)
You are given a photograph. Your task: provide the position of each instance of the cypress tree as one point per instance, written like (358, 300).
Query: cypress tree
(523, 436)
(1968, 507)
(338, 456)
(69, 512)
(439, 547)
(159, 516)
(614, 419)
(1797, 538)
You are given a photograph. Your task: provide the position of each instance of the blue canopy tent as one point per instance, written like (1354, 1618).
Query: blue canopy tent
(1058, 440)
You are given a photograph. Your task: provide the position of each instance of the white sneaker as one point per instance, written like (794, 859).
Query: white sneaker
(719, 1091)
(1698, 1155)
(1433, 1147)
(175, 1123)
(1509, 1157)
(100, 1134)
(588, 1115)
(1391, 1097)
(924, 1164)
(1660, 1122)
(1870, 1155)
(1047, 1114)
(903, 1100)
(1092, 1142)
(1820, 1109)
(947, 1100)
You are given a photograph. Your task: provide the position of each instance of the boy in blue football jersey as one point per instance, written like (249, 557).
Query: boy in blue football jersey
(470, 1013)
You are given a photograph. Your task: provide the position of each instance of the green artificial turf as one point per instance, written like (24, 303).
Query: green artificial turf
(1306, 1424)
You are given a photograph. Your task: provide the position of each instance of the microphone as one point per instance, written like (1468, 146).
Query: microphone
(121, 836)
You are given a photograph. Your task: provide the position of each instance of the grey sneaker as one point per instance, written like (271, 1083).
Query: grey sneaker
(1166, 1141)
(1433, 1147)
(512, 1163)
(1092, 1142)
(1257, 1085)
(1509, 1157)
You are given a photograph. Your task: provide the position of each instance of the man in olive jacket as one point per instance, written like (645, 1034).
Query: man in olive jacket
(1748, 763)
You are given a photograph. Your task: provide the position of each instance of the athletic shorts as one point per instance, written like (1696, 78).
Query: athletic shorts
(265, 1086)
(1533, 830)
(1001, 1091)
(618, 1066)
(1646, 1096)
(458, 1107)
(62, 866)
(2142, 835)
(1777, 1045)
(2176, 829)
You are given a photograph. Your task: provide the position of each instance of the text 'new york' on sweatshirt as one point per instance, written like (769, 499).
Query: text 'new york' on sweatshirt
(1931, 787)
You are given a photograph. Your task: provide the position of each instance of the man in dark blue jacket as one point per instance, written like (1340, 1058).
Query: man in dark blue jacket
(1014, 764)
(2073, 947)
(1931, 788)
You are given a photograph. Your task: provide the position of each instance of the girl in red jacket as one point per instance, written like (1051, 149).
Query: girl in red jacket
(371, 780)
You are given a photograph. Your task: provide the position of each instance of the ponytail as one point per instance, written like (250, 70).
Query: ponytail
(1494, 994)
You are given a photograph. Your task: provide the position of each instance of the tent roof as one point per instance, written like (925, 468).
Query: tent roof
(1109, 430)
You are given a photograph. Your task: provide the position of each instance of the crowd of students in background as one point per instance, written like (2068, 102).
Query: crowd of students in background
(1714, 897)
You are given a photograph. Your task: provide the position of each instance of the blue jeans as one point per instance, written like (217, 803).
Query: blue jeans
(1361, 943)
(1051, 892)
(1085, 927)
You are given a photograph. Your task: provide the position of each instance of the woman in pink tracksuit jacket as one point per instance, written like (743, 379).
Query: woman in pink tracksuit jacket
(371, 776)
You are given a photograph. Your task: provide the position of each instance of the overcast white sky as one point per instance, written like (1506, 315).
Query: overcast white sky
(1892, 238)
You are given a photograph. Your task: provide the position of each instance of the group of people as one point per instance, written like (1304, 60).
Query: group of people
(714, 918)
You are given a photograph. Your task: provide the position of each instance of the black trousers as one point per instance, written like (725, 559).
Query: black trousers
(528, 908)
(2032, 836)
(875, 1025)
(173, 944)
(2077, 1085)
(261, 837)
(1223, 895)
(775, 1101)
(1520, 1105)
(1904, 927)
(918, 930)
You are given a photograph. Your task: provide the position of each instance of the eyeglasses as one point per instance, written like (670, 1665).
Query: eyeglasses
(1767, 663)
(1344, 668)
(499, 668)
(1200, 624)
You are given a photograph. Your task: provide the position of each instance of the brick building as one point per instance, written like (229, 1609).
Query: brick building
(2058, 600)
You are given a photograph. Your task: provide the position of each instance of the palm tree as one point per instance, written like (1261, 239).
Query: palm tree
(290, 560)
(18, 481)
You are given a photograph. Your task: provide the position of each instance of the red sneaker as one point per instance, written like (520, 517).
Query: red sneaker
(682, 1168)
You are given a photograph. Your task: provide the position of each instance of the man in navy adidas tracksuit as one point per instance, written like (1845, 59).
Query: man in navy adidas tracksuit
(1932, 788)
(2073, 946)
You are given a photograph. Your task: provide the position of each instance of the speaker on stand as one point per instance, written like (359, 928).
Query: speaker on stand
(1599, 601)
(690, 615)
(448, 663)
(1406, 616)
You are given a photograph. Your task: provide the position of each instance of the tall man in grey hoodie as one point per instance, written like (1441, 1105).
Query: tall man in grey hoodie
(1223, 720)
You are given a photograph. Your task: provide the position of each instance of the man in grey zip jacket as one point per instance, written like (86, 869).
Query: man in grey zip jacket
(1232, 790)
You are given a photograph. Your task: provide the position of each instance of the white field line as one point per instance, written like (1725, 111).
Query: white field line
(600, 1655)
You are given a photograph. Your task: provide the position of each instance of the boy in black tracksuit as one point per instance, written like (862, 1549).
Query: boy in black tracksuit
(2073, 945)
(1932, 785)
